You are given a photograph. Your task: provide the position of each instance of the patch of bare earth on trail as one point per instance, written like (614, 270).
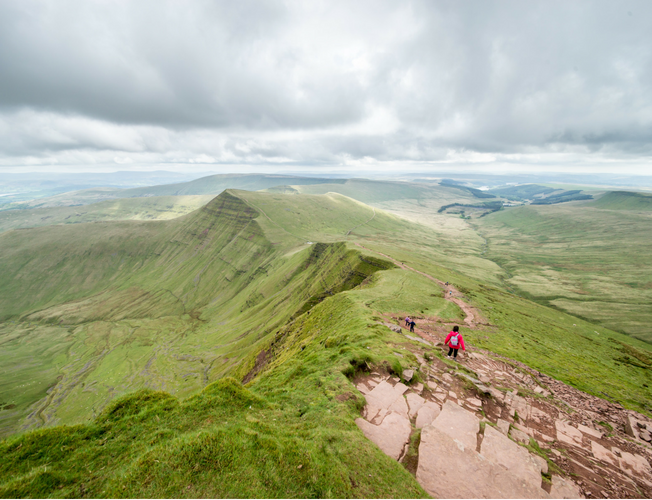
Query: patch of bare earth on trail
(508, 430)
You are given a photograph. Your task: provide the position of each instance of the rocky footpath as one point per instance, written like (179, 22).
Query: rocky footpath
(491, 427)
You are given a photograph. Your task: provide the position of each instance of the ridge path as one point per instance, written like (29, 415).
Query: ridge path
(471, 312)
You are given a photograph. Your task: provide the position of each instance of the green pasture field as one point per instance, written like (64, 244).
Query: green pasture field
(589, 261)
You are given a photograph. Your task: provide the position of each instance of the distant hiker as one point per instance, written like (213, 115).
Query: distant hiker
(454, 341)
(407, 321)
(412, 325)
(451, 293)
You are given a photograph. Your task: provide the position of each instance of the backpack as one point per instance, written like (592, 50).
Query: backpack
(454, 341)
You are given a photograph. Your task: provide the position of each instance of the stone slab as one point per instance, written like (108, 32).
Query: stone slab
(390, 436)
(519, 436)
(500, 396)
(447, 469)
(630, 426)
(415, 402)
(564, 488)
(379, 417)
(427, 414)
(541, 462)
(566, 430)
(440, 396)
(382, 396)
(474, 402)
(363, 388)
(401, 388)
(525, 429)
(459, 424)
(432, 385)
(369, 412)
(503, 426)
(634, 465)
(400, 406)
(501, 450)
(521, 406)
(544, 437)
(418, 339)
(603, 454)
(591, 432)
(539, 416)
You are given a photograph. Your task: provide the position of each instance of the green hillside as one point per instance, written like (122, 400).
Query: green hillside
(146, 208)
(368, 191)
(624, 200)
(270, 288)
(210, 185)
(522, 192)
(590, 262)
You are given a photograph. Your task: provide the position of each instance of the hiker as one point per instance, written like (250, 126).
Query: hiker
(454, 341)
(451, 293)
(407, 321)
(412, 325)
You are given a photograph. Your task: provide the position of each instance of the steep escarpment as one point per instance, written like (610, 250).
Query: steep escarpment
(173, 308)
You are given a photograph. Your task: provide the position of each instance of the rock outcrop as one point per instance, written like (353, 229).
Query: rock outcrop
(492, 429)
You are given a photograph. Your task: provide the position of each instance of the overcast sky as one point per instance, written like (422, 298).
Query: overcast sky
(378, 85)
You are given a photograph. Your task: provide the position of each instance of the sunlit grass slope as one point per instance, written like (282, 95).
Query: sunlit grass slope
(411, 228)
(149, 208)
(171, 305)
(514, 319)
(591, 262)
(243, 280)
(291, 433)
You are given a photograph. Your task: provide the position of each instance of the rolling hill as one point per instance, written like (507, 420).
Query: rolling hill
(136, 335)
(209, 185)
(624, 200)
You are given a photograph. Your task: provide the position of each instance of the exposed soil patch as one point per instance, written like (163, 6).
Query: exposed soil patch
(261, 361)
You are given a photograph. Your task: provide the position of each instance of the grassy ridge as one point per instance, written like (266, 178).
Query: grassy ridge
(167, 305)
(624, 200)
(291, 434)
(151, 208)
(248, 282)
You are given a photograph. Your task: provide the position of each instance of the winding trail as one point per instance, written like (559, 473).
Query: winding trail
(471, 312)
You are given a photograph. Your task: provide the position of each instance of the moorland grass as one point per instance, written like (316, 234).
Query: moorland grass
(289, 434)
(247, 281)
(590, 262)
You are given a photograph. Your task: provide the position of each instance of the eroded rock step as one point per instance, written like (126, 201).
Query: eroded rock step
(518, 405)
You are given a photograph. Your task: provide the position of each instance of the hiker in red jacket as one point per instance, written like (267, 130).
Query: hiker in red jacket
(454, 341)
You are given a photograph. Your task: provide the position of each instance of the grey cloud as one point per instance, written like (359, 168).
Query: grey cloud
(257, 81)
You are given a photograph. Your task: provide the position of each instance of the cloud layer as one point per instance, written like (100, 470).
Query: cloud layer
(364, 84)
